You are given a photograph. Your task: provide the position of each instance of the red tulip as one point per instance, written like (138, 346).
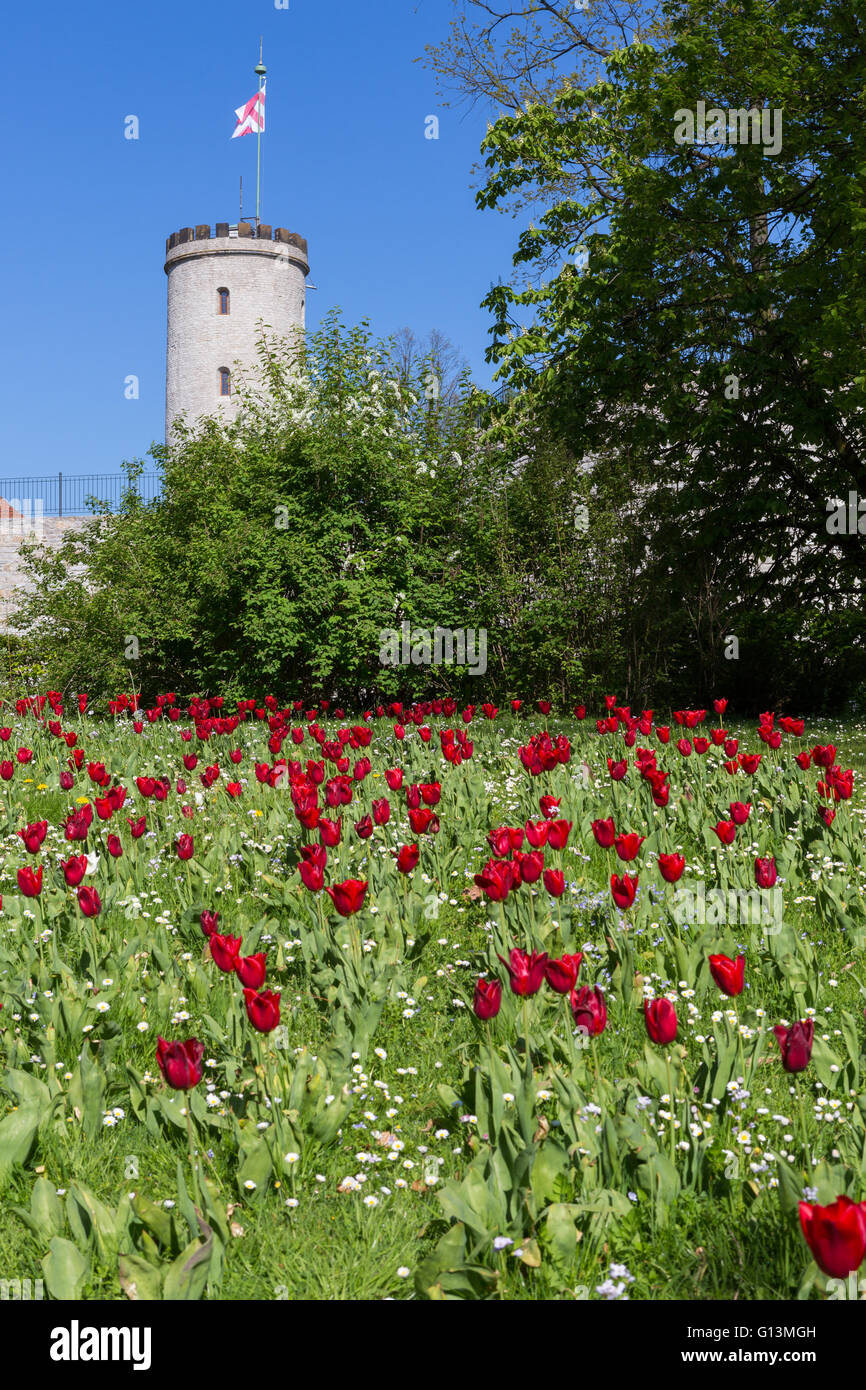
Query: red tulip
(74, 869)
(330, 831)
(137, 827)
(740, 812)
(765, 872)
(180, 1063)
(617, 770)
(530, 865)
(726, 831)
(348, 897)
(208, 921)
(835, 1234)
(526, 972)
(796, 1044)
(589, 1010)
(749, 762)
(628, 846)
(115, 848)
(251, 970)
(562, 974)
(488, 999)
(557, 835)
(537, 833)
(381, 811)
(604, 832)
(671, 867)
(225, 951)
(623, 890)
(30, 882)
(728, 974)
(89, 902)
(549, 805)
(496, 880)
(263, 1009)
(312, 875)
(661, 1020)
(554, 882)
(184, 847)
(407, 859)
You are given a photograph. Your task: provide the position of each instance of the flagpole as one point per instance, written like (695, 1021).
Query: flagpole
(260, 72)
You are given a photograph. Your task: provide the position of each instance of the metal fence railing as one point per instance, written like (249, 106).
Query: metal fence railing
(70, 495)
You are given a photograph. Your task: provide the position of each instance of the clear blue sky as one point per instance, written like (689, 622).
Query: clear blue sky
(390, 218)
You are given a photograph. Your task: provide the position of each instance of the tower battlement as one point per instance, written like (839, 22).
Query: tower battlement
(231, 231)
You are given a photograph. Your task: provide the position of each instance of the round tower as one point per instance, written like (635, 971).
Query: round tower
(219, 287)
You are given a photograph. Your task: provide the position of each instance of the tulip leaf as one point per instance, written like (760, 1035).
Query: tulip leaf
(65, 1270)
(139, 1279)
(186, 1278)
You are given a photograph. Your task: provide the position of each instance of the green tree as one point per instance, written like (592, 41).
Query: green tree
(698, 314)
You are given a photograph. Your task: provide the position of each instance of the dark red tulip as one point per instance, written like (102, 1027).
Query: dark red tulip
(137, 827)
(488, 999)
(628, 846)
(557, 835)
(180, 1062)
(554, 882)
(796, 1044)
(74, 869)
(330, 831)
(604, 832)
(263, 1009)
(115, 848)
(728, 974)
(208, 921)
(624, 890)
(348, 897)
(671, 867)
(312, 875)
(525, 972)
(251, 970)
(562, 974)
(740, 812)
(89, 902)
(765, 872)
(184, 847)
(530, 865)
(496, 880)
(30, 882)
(407, 859)
(589, 1010)
(661, 1020)
(537, 833)
(225, 951)
(835, 1234)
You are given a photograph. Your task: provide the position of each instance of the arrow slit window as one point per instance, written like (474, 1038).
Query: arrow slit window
(225, 377)
(223, 301)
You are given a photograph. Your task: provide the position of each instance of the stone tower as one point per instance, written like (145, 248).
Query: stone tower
(219, 287)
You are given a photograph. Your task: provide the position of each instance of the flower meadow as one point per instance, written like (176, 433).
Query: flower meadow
(430, 1001)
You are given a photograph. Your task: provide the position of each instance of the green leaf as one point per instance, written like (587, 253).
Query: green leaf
(65, 1270)
(139, 1279)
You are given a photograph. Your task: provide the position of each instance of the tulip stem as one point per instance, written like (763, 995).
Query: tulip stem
(191, 1147)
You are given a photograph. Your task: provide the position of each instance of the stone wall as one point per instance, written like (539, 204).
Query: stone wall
(13, 530)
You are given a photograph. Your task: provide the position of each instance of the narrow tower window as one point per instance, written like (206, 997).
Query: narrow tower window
(223, 298)
(225, 381)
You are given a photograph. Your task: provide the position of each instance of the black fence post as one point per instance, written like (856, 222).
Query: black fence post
(59, 494)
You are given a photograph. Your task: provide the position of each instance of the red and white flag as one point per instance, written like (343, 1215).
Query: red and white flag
(251, 118)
